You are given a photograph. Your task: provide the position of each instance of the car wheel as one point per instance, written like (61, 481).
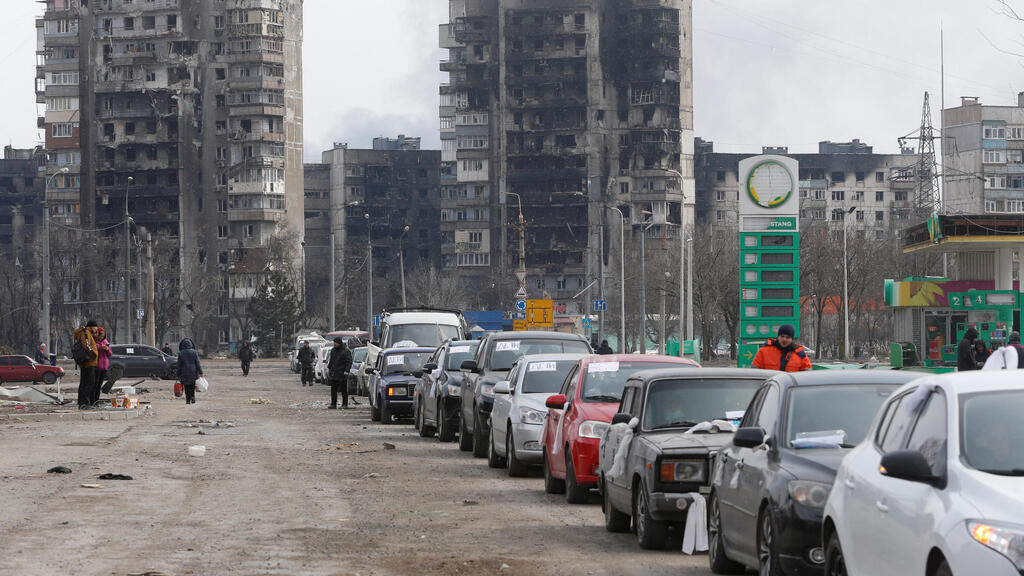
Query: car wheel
(614, 521)
(465, 438)
(574, 493)
(445, 432)
(516, 469)
(375, 413)
(552, 485)
(479, 448)
(172, 373)
(767, 559)
(650, 533)
(49, 378)
(385, 413)
(493, 460)
(944, 569)
(835, 562)
(416, 414)
(425, 431)
(717, 559)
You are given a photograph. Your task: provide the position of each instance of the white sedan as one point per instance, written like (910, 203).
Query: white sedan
(937, 487)
(517, 419)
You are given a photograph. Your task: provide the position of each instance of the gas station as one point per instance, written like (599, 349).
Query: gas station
(931, 314)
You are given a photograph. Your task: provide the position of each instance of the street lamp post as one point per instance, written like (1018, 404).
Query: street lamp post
(369, 268)
(45, 322)
(127, 264)
(522, 236)
(846, 292)
(334, 283)
(622, 279)
(401, 263)
(685, 268)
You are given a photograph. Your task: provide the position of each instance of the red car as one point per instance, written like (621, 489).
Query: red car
(579, 415)
(23, 369)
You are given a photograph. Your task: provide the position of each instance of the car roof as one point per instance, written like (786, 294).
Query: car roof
(535, 334)
(347, 333)
(683, 372)
(975, 381)
(547, 357)
(15, 356)
(410, 350)
(638, 358)
(451, 343)
(135, 346)
(840, 377)
(446, 318)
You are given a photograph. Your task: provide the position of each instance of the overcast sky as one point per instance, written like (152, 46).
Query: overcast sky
(766, 72)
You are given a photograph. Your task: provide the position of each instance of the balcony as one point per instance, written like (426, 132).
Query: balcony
(255, 215)
(471, 29)
(546, 174)
(256, 136)
(256, 110)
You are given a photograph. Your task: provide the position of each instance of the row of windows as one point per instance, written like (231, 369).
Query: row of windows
(809, 174)
(1003, 133)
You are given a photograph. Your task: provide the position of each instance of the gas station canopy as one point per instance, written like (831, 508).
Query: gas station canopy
(965, 233)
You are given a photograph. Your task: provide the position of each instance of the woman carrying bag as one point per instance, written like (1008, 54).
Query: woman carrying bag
(189, 369)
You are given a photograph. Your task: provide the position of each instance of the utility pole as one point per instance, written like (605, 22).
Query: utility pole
(369, 269)
(643, 289)
(401, 263)
(138, 260)
(334, 287)
(622, 280)
(522, 239)
(45, 320)
(127, 265)
(150, 321)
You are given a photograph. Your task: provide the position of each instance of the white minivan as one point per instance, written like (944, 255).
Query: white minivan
(416, 327)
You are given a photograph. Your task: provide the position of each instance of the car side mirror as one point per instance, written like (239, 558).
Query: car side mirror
(621, 418)
(417, 373)
(469, 366)
(748, 438)
(429, 367)
(502, 388)
(556, 401)
(909, 465)
(368, 371)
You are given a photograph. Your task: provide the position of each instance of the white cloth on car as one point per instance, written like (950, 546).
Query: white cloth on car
(695, 534)
(621, 451)
(1004, 358)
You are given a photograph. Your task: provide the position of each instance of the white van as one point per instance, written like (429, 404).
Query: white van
(409, 327)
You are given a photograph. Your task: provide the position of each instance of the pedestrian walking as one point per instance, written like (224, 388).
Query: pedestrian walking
(245, 357)
(84, 351)
(965, 351)
(1016, 345)
(41, 356)
(103, 354)
(605, 349)
(189, 369)
(306, 359)
(337, 372)
(981, 352)
(167, 349)
(782, 353)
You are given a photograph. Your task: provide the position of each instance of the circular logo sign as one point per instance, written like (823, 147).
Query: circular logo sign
(770, 184)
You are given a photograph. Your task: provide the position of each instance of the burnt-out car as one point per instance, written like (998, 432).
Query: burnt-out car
(660, 448)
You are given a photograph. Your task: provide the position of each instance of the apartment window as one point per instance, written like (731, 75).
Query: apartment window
(995, 132)
(129, 23)
(560, 284)
(995, 182)
(250, 230)
(1015, 157)
(819, 194)
(990, 206)
(623, 187)
(818, 214)
(860, 215)
(837, 215)
(1015, 133)
(150, 76)
(879, 177)
(858, 196)
(222, 205)
(148, 22)
(879, 234)
(151, 153)
(879, 215)
(860, 177)
(222, 231)
(720, 176)
(61, 104)
(63, 129)
(220, 101)
(993, 157)
(218, 22)
(1016, 206)
(838, 196)
(172, 21)
(221, 75)
(720, 215)
(129, 128)
(879, 196)
(838, 177)
(538, 45)
(720, 195)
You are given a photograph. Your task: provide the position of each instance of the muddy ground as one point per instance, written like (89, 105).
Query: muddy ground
(287, 488)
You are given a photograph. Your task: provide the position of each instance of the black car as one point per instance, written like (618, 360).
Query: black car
(140, 361)
(770, 486)
(663, 463)
(491, 364)
(439, 390)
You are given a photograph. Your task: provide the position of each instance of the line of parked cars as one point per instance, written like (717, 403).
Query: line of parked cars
(864, 472)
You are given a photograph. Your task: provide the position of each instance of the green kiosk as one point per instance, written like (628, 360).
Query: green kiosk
(769, 218)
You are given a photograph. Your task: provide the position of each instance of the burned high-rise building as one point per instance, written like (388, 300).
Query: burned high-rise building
(568, 108)
(186, 115)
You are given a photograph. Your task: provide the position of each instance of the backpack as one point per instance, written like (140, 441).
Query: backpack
(80, 353)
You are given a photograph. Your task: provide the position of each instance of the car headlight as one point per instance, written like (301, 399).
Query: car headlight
(810, 494)
(454, 390)
(487, 390)
(397, 390)
(592, 429)
(1007, 540)
(531, 416)
(692, 470)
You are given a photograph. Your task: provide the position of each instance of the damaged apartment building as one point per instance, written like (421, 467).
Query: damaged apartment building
(569, 108)
(187, 115)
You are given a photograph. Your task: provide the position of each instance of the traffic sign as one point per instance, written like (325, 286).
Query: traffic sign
(540, 313)
(600, 305)
(521, 294)
(521, 275)
(519, 325)
(521, 305)
(376, 321)
(142, 313)
(587, 323)
(519, 315)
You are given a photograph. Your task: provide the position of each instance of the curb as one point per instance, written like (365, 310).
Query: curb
(71, 416)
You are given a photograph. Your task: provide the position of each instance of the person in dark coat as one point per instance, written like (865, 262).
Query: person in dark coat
(1015, 343)
(306, 359)
(337, 372)
(87, 338)
(189, 369)
(245, 356)
(965, 351)
(605, 349)
(981, 352)
(167, 349)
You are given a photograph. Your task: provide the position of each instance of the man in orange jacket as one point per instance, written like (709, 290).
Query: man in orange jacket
(782, 353)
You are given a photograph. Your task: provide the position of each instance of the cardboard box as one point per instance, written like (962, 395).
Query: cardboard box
(125, 402)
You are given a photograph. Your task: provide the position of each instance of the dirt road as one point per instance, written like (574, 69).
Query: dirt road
(287, 488)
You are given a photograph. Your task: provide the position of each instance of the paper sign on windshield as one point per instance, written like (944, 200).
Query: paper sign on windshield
(397, 359)
(597, 367)
(543, 367)
(458, 350)
(506, 346)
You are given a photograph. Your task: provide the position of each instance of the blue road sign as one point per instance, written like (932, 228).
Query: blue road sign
(519, 315)
(376, 321)
(586, 323)
(521, 305)
(600, 305)
(142, 313)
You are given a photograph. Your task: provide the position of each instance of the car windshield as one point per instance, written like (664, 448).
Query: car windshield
(990, 431)
(546, 377)
(688, 402)
(405, 363)
(836, 416)
(358, 355)
(504, 353)
(605, 381)
(459, 353)
(423, 334)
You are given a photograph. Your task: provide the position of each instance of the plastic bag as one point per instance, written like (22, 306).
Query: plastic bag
(202, 385)
(179, 389)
